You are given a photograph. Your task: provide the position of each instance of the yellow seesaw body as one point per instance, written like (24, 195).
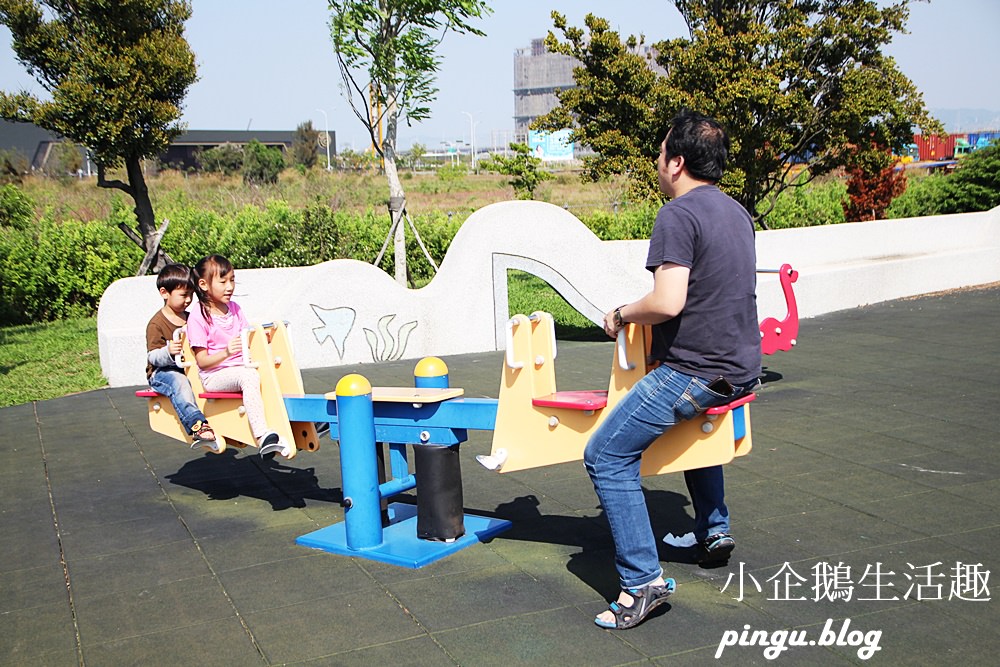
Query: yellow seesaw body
(279, 376)
(529, 436)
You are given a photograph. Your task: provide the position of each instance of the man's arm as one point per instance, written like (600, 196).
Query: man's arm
(665, 301)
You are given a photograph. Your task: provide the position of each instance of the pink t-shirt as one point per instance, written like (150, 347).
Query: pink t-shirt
(215, 334)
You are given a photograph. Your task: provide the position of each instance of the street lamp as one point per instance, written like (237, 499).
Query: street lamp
(326, 142)
(472, 132)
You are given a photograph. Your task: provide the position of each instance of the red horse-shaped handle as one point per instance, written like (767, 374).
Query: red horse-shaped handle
(780, 335)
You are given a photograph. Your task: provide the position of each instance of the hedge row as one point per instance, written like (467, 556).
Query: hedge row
(51, 269)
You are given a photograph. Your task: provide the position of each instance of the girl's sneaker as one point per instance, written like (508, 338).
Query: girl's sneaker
(272, 442)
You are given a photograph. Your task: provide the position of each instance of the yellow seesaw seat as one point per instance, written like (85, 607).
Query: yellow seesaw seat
(268, 348)
(537, 425)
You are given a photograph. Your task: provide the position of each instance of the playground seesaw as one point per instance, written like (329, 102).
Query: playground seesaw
(266, 347)
(533, 425)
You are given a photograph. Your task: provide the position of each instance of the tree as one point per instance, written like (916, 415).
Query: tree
(225, 158)
(416, 155)
(794, 81)
(386, 54)
(117, 74)
(261, 164)
(522, 166)
(873, 182)
(305, 141)
(64, 160)
(975, 184)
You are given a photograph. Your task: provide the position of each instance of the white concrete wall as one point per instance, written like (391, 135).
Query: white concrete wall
(345, 311)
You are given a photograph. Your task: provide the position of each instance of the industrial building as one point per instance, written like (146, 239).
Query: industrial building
(35, 144)
(539, 74)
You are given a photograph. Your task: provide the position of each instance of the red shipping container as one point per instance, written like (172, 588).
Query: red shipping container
(932, 147)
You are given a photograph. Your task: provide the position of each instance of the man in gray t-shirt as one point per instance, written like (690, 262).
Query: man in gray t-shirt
(706, 336)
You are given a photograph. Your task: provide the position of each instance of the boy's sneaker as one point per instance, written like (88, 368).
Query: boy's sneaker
(715, 549)
(272, 442)
(204, 436)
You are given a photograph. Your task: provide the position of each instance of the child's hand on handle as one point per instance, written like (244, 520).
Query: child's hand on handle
(174, 347)
(234, 345)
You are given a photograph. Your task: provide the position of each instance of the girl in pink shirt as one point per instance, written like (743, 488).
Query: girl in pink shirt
(214, 332)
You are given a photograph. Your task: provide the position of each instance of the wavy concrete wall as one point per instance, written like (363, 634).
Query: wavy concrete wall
(344, 311)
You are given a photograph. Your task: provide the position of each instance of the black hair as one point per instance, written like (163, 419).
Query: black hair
(175, 276)
(206, 269)
(702, 142)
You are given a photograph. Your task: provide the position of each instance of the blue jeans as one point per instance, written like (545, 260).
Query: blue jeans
(612, 458)
(172, 382)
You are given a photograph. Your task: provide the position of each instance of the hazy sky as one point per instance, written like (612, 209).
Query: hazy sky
(269, 65)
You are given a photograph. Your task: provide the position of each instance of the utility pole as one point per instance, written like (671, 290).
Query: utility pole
(472, 139)
(326, 137)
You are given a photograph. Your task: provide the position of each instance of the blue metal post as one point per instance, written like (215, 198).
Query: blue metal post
(358, 463)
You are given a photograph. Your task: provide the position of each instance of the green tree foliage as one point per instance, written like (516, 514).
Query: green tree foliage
(116, 74)
(522, 167)
(224, 159)
(261, 164)
(305, 141)
(793, 80)
(386, 54)
(416, 155)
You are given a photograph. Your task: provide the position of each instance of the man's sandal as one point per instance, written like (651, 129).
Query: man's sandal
(644, 600)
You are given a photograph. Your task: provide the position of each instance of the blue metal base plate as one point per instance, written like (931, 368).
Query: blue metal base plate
(400, 545)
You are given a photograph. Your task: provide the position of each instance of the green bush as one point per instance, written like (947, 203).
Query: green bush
(973, 186)
(226, 159)
(261, 164)
(16, 208)
(56, 270)
(924, 195)
(633, 222)
(818, 203)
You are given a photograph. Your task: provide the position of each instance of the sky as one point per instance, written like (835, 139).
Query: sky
(270, 65)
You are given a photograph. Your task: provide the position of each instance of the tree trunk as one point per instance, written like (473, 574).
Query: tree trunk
(137, 190)
(144, 212)
(396, 192)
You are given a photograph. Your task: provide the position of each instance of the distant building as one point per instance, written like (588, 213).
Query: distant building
(539, 74)
(35, 144)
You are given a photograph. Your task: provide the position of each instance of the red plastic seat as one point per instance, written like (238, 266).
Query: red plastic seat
(573, 400)
(221, 394)
(722, 409)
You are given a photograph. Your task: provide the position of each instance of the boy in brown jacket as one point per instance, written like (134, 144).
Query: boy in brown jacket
(165, 376)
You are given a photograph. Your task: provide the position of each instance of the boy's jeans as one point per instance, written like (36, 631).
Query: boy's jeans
(172, 382)
(612, 457)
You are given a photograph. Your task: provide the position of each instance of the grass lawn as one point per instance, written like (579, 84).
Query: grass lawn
(52, 359)
(48, 360)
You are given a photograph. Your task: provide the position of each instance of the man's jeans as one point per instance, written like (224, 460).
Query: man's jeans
(612, 458)
(172, 382)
